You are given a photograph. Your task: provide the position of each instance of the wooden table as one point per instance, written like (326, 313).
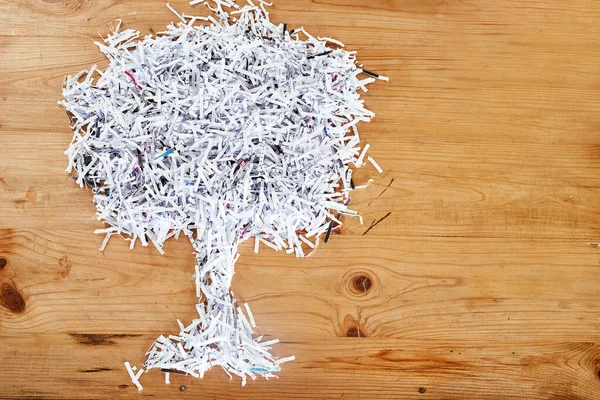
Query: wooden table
(481, 282)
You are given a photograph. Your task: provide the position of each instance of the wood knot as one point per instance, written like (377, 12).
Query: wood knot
(352, 327)
(3, 263)
(422, 389)
(353, 332)
(361, 283)
(11, 298)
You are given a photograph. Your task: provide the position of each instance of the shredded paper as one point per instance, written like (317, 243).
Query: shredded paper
(221, 128)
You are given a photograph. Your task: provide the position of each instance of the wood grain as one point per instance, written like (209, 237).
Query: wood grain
(434, 288)
(475, 275)
(325, 369)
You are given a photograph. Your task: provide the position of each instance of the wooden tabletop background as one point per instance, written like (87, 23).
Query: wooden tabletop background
(478, 277)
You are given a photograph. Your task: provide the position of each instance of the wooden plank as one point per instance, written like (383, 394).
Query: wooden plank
(578, 18)
(438, 189)
(66, 366)
(493, 88)
(397, 287)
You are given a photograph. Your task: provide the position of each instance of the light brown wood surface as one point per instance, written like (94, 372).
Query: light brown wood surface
(481, 283)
